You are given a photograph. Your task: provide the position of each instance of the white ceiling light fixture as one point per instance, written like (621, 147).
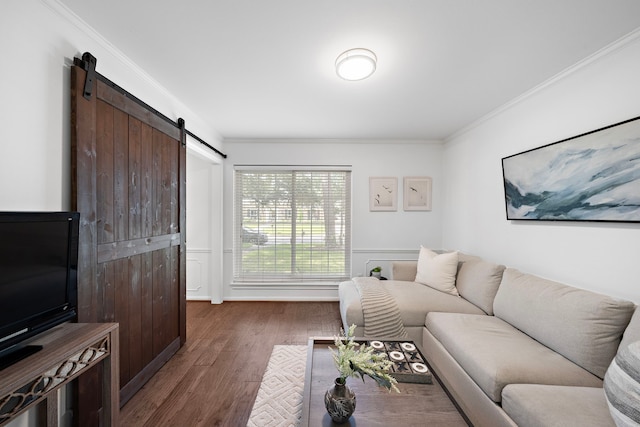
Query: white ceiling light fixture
(356, 64)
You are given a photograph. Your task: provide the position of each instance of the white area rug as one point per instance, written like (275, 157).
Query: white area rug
(279, 399)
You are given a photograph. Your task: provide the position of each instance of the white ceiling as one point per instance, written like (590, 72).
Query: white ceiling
(265, 69)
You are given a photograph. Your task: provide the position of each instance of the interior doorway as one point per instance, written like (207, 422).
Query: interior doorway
(204, 224)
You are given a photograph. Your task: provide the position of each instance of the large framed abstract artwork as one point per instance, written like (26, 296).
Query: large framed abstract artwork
(590, 177)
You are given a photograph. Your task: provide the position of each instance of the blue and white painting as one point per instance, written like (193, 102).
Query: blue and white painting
(592, 177)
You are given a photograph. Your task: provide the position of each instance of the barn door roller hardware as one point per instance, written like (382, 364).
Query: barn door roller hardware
(88, 64)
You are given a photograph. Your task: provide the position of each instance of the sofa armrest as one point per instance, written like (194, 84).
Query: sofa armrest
(404, 270)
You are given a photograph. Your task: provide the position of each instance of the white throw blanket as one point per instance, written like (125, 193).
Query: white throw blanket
(381, 313)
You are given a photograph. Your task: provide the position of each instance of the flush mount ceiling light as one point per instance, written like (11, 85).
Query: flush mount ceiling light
(356, 64)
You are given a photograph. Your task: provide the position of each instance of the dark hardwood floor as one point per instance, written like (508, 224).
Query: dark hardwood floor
(214, 378)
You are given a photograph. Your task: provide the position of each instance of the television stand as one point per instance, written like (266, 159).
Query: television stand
(68, 351)
(17, 355)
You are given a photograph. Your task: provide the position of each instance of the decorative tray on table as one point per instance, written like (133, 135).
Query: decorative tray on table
(409, 365)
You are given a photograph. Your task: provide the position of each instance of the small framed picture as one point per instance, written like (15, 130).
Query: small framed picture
(383, 193)
(417, 193)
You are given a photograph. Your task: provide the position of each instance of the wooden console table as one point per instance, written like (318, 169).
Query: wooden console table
(68, 351)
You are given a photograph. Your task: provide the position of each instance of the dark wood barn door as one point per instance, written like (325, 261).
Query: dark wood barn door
(129, 169)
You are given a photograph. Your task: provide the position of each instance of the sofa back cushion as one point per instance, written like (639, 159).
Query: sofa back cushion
(632, 333)
(404, 270)
(583, 326)
(478, 282)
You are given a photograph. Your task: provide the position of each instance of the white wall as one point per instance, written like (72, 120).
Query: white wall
(374, 234)
(38, 40)
(199, 181)
(602, 257)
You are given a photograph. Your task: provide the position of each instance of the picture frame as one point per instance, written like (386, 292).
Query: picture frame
(417, 193)
(594, 176)
(383, 193)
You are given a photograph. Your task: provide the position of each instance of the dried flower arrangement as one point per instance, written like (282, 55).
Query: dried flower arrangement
(357, 360)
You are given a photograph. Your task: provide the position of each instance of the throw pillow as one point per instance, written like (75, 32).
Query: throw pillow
(622, 386)
(438, 271)
(478, 283)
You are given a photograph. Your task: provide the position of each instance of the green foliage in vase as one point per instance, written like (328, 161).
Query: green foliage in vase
(359, 360)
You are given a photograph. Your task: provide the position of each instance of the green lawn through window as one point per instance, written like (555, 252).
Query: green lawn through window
(264, 260)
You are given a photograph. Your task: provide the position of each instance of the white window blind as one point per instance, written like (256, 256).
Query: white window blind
(292, 224)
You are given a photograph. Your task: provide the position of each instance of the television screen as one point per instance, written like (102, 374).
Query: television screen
(38, 273)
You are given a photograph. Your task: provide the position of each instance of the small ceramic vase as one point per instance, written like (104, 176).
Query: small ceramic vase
(340, 402)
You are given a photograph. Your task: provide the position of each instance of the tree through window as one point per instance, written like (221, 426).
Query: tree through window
(292, 225)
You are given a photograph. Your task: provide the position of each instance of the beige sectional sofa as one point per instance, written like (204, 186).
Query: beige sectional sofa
(512, 349)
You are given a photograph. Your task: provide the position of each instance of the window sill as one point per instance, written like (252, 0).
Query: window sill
(285, 285)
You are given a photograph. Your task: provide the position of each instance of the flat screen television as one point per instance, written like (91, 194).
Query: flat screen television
(38, 277)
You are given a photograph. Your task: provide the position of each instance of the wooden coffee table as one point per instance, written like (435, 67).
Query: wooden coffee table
(415, 405)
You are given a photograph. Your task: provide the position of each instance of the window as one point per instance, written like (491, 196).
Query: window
(292, 225)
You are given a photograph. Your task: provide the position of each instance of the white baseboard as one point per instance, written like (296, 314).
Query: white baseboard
(286, 299)
(199, 298)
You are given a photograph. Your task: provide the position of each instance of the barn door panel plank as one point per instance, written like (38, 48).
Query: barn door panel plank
(107, 277)
(135, 315)
(135, 175)
(146, 307)
(121, 314)
(159, 331)
(156, 189)
(146, 181)
(171, 305)
(163, 302)
(167, 206)
(120, 175)
(174, 180)
(174, 325)
(104, 173)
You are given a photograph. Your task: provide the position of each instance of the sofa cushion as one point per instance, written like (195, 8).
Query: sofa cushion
(462, 258)
(478, 282)
(494, 354)
(534, 405)
(632, 332)
(404, 270)
(583, 326)
(438, 270)
(416, 300)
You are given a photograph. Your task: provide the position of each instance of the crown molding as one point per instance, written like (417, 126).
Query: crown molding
(605, 51)
(330, 141)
